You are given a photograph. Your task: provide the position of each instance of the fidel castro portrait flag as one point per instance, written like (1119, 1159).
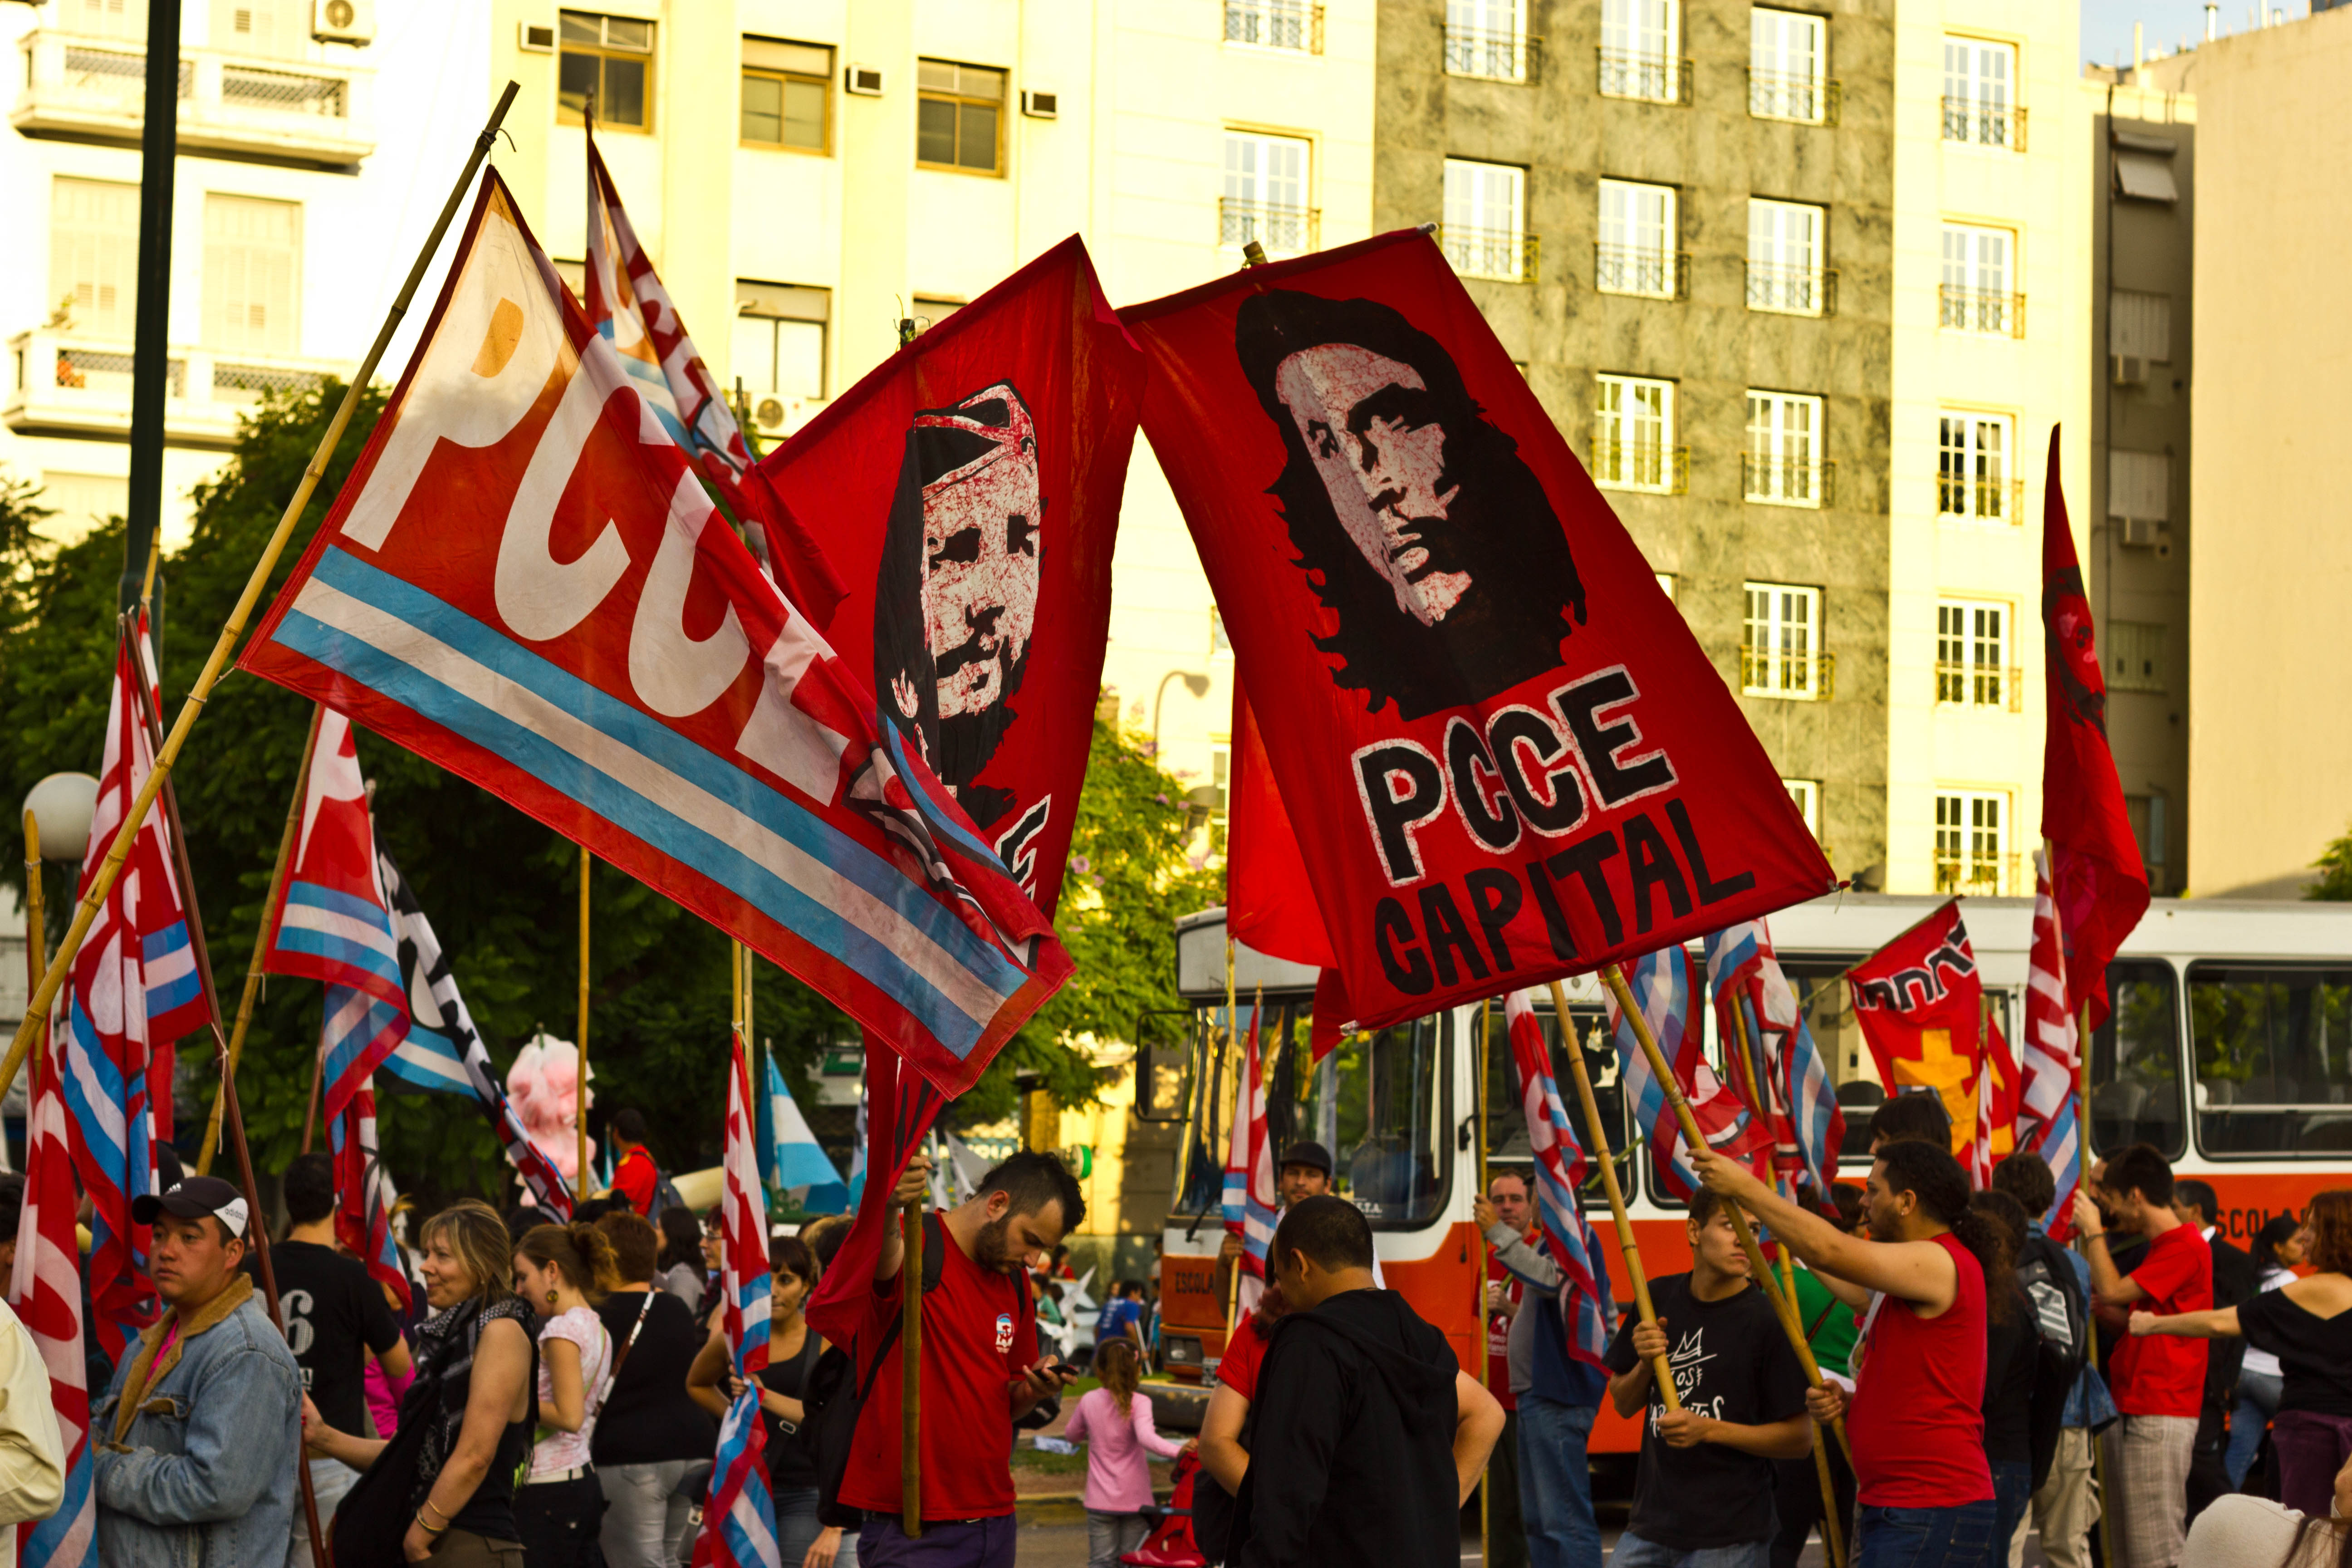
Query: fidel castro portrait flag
(1505, 757)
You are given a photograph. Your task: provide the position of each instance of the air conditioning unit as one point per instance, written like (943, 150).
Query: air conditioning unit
(343, 21)
(2127, 370)
(534, 39)
(864, 80)
(769, 411)
(1040, 105)
(2141, 532)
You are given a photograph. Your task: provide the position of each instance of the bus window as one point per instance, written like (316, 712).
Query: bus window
(1377, 1104)
(2135, 1062)
(2273, 1054)
(1507, 1121)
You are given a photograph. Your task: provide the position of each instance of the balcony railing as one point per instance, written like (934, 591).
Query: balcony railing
(1276, 227)
(1980, 684)
(1637, 269)
(1786, 481)
(1795, 677)
(94, 90)
(1987, 875)
(1497, 56)
(1791, 291)
(1651, 79)
(66, 383)
(1274, 24)
(1640, 466)
(1984, 124)
(1980, 501)
(1806, 100)
(1503, 254)
(1988, 311)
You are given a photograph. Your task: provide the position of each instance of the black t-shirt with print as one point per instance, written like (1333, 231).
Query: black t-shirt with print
(1731, 1361)
(333, 1307)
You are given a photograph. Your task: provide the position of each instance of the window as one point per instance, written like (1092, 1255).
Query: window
(611, 58)
(1220, 645)
(2144, 168)
(1805, 795)
(2139, 326)
(2136, 1062)
(2135, 656)
(1485, 233)
(1633, 436)
(1487, 37)
(103, 18)
(1973, 469)
(1787, 242)
(1276, 25)
(787, 95)
(1788, 65)
(779, 344)
(958, 117)
(1783, 464)
(1977, 270)
(1780, 650)
(1971, 842)
(1382, 1112)
(1972, 656)
(274, 27)
(94, 256)
(253, 272)
(932, 310)
(1635, 253)
(1265, 193)
(1981, 94)
(2146, 814)
(2273, 1044)
(1666, 584)
(2139, 487)
(1641, 42)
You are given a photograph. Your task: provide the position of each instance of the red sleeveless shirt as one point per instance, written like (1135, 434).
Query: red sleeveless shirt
(1917, 1423)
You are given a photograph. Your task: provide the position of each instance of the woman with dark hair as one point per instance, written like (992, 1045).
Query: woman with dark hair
(563, 1270)
(1923, 1278)
(2279, 1247)
(653, 1441)
(803, 1540)
(2242, 1531)
(443, 1485)
(2012, 1357)
(683, 1265)
(2304, 1322)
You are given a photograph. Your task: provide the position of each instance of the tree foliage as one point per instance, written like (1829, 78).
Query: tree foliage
(2334, 883)
(501, 891)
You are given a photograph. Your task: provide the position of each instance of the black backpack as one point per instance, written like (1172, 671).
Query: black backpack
(2063, 1320)
(832, 1397)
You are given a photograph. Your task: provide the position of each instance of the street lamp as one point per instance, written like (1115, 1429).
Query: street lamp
(1197, 684)
(61, 806)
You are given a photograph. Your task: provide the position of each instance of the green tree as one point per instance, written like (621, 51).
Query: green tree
(2334, 883)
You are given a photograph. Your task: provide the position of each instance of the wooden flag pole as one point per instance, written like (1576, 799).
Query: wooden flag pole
(579, 1184)
(2082, 1183)
(111, 866)
(1478, 1275)
(37, 938)
(253, 971)
(1616, 979)
(1660, 1368)
(311, 1112)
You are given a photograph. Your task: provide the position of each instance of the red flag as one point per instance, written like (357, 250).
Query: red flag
(900, 1107)
(1920, 1004)
(1523, 764)
(1269, 903)
(968, 492)
(1994, 1135)
(2100, 883)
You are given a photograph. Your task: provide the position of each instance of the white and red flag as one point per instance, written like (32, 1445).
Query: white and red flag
(2049, 1114)
(738, 1519)
(1660, 985)
(523, 583)
(46, 1291)
(1522, 763)
(1995, 1134)
(1250, 1198)
(1562, 1163)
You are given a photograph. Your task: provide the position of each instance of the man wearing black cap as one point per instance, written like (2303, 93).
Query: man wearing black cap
(195, 1440)
(1305, 1172)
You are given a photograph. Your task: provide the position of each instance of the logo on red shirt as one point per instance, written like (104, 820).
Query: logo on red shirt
(1003, 1332)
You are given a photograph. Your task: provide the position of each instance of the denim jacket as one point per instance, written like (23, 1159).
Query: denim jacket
(201, 1473)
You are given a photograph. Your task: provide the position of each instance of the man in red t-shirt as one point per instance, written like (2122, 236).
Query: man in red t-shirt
(981, 1370)
(2158, 1381)
(636, 1175)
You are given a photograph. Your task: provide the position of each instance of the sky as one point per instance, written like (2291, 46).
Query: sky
(2107, 24)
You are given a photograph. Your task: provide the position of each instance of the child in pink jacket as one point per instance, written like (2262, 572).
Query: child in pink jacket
(1114, 1424)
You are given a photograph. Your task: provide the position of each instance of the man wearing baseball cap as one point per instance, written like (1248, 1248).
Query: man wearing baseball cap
(1305, 1172)
(196, 1438)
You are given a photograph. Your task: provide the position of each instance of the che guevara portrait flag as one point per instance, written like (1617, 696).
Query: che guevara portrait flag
(525, 580)
(1505, 757)
(967, 493)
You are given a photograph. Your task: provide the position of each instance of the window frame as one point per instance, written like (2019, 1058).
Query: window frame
(2145, 642)
(606, 50)
(1473, 246)
(1978, 110)
(1769, 247)
(1610, 425)
(1967, 273)
(2102, 1049)
(1775, 670)
(2185, 1010)
(813, 313)
(1256, 212)
(999, 169)
(213, 314)
(1965, 677)
(1779, 84)
(1966, 824)
(785, 77)
(1776, 464)
(1473, 38)
(2008, 486)
(1636, 66)
(93, 240)
(1666, 259)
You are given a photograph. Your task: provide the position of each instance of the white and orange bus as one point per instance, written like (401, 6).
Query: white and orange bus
(2230, 1049)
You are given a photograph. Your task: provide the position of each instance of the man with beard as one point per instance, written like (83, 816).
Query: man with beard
(1417, 522)
(955, 609)
(981, 1370)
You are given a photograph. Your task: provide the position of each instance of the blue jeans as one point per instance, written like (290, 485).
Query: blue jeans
(1959, 1537)
(1632, 1551)
(2013, 1494)
(1555, 1484)
(2258, 1400)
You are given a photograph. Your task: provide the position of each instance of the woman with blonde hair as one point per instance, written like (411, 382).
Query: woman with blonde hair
(443, 1486)
(1114, 1422)
(2307, 1324)
(563, 1270)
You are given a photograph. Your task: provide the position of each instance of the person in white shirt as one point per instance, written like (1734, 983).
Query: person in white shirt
(2241, 1532)
(562, 1271)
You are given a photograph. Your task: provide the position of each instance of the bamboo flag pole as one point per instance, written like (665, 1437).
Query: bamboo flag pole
(37, 938)
(1598, 1131)
(910, 1368)
(1673, 1090)
(253, 971)
(580, 1184)
(111, 868)
(2083, 1181)
(1478, 1275)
